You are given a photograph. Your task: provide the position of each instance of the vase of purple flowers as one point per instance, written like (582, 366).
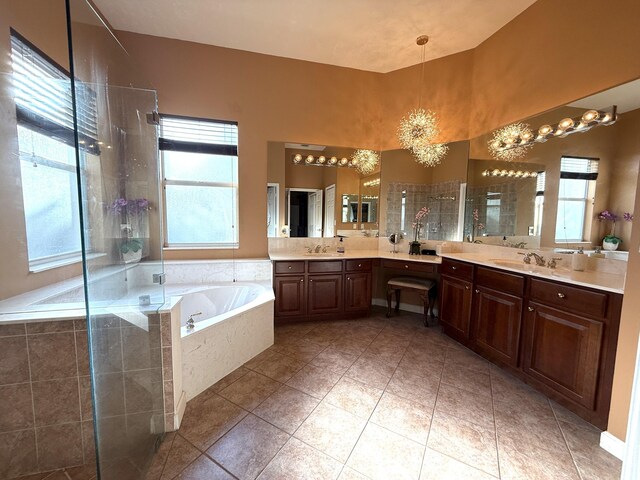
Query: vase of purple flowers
(414, 247)
(611, 241)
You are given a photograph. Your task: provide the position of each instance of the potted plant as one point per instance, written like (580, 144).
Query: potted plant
(131, 250)
(414, 247)
(611, 241)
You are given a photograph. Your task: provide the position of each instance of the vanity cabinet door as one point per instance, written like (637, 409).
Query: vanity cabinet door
(455, 307)
(290, 295)
(357, 292)
(563, 351)
(325, 294)
(496, 323)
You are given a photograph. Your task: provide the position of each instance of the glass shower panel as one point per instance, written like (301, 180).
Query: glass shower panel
(122, 240)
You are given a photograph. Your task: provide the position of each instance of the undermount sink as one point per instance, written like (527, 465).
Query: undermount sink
(505, 262)
(326, 254)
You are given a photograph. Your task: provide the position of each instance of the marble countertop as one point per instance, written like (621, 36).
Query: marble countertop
(610, 282)
(292, 256)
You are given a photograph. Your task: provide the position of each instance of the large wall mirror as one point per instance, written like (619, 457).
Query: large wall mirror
(319, 198)
(573, 163)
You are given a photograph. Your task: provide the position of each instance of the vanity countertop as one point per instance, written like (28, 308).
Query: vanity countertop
(610, 282)
(289, 256)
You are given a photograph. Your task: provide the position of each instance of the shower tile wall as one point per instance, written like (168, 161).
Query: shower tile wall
(441, 198)
(45, 399)
(477, 198)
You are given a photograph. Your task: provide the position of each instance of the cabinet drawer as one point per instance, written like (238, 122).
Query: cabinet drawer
(358, 265)
(410, 266)
(289, 267)
(458, 269)
(500, 281)
(573, 299)
(324, 266)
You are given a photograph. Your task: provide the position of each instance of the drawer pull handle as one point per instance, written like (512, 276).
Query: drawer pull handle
(467, 287)
(561, 295)
(530, 309)
(289, 267)
(477, 291)
(454, 268)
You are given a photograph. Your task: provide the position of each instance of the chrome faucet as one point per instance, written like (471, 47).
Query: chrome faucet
(553, 262)
(190, 322)
(538, 258)
(317, 249)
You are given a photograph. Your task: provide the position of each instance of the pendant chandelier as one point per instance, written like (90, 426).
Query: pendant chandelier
(365, 161)
(419, 128)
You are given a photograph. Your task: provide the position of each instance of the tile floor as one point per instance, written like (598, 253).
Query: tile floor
(377, 398)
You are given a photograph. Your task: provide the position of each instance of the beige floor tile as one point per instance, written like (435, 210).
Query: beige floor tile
(355, 397)
(315, 381)
(261, 357)
(229, 379)
(205, 422)
(508, 389)
(331, 430)
(182, 453)
(279, 367)
(204, 469)
(157, 464)
(382, 454)
(287, 408)
(371, 371)
(520, 459)
(458, 354)
(385, 353)
(298, 461)
(352, 346)
(437, 466)
(304, 350)
(250, 390)
(422, 390)
(247, 448)
(471, 380)
(351, 474)
(426, 351)
(405, 417)
(422, 368)
(334, 360)
(592, 460)
(464, 404)
(465, 441)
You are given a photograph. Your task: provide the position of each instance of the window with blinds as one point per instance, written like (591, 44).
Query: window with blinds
(576, 189)
(42, 93)
(43, 99)
(200, 180)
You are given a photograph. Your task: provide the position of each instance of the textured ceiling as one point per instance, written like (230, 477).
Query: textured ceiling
(373, 35)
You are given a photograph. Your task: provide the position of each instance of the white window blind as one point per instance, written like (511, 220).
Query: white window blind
(194, 135)
(579, 168)
(540, 183)
(43, 97)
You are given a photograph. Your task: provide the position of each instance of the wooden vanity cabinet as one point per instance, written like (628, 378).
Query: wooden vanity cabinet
(497, 315)
(322, 289)
(456, 295)
(570, 337)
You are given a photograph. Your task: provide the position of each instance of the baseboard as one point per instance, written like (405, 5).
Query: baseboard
(613, 445)
(180, 408)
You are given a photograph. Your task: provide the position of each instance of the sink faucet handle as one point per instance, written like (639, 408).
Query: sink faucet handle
(554, 262)
(527, 257)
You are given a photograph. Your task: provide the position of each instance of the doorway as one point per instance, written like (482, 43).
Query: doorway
(304, 212)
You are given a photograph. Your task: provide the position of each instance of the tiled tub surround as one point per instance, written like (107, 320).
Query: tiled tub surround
(377, 398)
(46, 418)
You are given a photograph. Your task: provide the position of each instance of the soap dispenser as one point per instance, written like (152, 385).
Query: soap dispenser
(340, 248)
(579, 261)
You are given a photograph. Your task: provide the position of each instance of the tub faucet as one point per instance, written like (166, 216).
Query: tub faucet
(190, 322)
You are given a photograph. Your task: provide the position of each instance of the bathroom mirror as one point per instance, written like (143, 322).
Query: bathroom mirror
(313, 192)
(586, 171)
(406, 187)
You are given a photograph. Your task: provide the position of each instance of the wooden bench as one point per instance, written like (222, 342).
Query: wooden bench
(425, 288)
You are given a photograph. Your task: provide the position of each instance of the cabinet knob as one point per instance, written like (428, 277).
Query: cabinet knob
(359, 265)
(454, 268)
(467, 287)
(289, 267)
(311, 280)
(530, 309)
(477, 291)
(348, 278)
(406, 266)
(302, 280)
(561, 295)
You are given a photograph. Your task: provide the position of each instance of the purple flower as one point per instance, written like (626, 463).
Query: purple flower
(607, 215)
(424, 211)
(628, 216)
(475, 215)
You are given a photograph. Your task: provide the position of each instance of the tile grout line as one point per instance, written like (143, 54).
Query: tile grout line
(564, 437)
(33, 405)
(495, 423)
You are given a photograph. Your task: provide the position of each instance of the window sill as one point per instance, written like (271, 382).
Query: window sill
(200, 247)
(50, 265)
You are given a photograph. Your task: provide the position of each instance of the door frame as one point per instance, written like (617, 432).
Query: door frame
(288, 200)
(277, 220)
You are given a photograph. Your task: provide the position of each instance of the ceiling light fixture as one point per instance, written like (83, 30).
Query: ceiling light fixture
(419, 128)
(509, 173)
(508, 142)
(365, 161)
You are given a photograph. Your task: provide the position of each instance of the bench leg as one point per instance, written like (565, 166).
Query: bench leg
(398, 300)
(433, 295)
(389, 293)
(425, 301)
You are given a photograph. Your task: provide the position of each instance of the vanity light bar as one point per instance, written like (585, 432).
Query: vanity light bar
(369, 197)
(566, 126)
(322, 161)
(372, 183)
(496, 172)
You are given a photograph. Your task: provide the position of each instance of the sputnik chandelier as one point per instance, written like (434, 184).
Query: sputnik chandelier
(419, 128)
(365, 161)
(513, 141)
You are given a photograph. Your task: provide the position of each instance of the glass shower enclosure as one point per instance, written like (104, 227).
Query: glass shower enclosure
(117, 154)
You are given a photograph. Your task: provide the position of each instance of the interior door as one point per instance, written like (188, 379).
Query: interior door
(273, 219)
(315, 214)
(330, 211)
